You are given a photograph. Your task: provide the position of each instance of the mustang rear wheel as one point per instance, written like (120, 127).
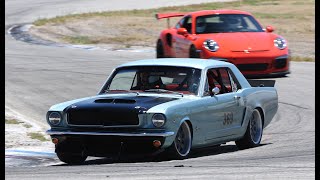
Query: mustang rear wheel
(160, 50)
(181, 146)
(253, 134)
(70, 158)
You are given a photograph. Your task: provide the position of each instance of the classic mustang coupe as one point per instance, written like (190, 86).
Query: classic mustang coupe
(228, 35)
(164, 105)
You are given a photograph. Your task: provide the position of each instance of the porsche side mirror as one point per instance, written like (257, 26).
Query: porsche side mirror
(215, 91)
(182, 31)
(269, 29)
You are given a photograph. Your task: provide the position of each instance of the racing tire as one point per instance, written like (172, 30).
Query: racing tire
(253, 135)
(160, 49)
(71, 158)
(193, 52)
(181, 146)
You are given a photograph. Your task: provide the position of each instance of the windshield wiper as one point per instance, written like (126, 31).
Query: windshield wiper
(163, 91)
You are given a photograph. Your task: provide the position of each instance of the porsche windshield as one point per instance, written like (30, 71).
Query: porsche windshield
(153, 78)
(226, 23)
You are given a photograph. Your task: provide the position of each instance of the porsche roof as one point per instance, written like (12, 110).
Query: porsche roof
(180, 62)
(218, 11)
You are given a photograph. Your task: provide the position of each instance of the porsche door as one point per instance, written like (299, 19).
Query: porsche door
(181, 44)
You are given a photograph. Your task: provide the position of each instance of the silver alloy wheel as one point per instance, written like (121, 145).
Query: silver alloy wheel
(183, 140)
(256, 127)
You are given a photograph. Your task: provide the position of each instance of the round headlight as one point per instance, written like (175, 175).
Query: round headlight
(280, 43)
(158, 120)
(54, 118)
(211, 45)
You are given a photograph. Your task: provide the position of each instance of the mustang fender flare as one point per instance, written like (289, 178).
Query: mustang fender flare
(169, 140)
(248, 112)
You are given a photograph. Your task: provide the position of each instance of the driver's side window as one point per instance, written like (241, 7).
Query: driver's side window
(185, 22)
(220, 78)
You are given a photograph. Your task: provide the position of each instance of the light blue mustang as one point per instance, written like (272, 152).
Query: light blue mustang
(172, 105)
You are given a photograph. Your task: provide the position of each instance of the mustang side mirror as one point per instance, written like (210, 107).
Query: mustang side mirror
(215, 91)
(269, 29)
(182, 31)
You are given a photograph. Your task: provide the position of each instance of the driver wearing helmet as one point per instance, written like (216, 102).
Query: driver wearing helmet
(233, 23)
(201, 25)
(147, 81)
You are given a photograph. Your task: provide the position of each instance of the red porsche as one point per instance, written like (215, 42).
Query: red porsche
(225, 35)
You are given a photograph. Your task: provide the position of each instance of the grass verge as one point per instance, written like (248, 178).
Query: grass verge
(38, 136)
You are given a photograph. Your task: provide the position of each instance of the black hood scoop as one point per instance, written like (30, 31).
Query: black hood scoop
(115, 101)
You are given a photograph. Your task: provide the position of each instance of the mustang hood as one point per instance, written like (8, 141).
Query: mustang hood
(252, 41)
(111, 111)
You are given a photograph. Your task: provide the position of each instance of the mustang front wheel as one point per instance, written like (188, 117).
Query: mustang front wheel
(253, 134)
(70, 158)
(181, 146)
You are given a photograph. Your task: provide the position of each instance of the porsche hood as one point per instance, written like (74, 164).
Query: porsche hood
(238, 42)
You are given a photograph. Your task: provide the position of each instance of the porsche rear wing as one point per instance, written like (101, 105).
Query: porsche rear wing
(168, 16)
(262, 83)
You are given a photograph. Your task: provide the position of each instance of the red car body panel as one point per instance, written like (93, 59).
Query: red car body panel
(254, 53)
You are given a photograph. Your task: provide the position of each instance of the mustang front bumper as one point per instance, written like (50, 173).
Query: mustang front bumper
(162, 134)
(108, 143)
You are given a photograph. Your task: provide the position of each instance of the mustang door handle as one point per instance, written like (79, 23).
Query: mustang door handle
(237, 97)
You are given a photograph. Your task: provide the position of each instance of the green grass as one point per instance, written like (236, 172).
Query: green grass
(300, 59)
(79, 40)
(12, 121)
(27, 126)
(37, 136)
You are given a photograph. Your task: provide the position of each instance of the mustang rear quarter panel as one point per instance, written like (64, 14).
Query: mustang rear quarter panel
(265, 98)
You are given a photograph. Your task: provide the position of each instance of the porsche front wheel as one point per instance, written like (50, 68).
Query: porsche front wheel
(253, 133)
(193, 52)
(181, 145)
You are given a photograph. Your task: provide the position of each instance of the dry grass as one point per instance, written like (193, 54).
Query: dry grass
(293, 19)
(38, 136)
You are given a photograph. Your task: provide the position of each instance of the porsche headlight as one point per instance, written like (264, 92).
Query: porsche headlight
(54, 118)
(280, 43)
(158, 120)
(211, 45)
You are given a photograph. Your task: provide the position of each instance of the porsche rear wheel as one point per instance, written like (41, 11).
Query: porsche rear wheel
(160, 50)
(253, 135)
(181, 147)
(71, 158)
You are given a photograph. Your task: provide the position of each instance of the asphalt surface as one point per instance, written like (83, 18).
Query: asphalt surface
(37, 77)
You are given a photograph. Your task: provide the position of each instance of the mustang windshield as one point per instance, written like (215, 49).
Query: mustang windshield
(226, 23)
(148, 78)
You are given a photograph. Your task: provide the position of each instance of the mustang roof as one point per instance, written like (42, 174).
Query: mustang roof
(181, 62)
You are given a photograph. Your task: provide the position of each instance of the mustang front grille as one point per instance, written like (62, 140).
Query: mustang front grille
(92, 118)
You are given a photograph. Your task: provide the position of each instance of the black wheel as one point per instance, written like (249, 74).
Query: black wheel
(181, 147)
(160, 50)
(253, 134)
(193, 52)
(70, 158)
